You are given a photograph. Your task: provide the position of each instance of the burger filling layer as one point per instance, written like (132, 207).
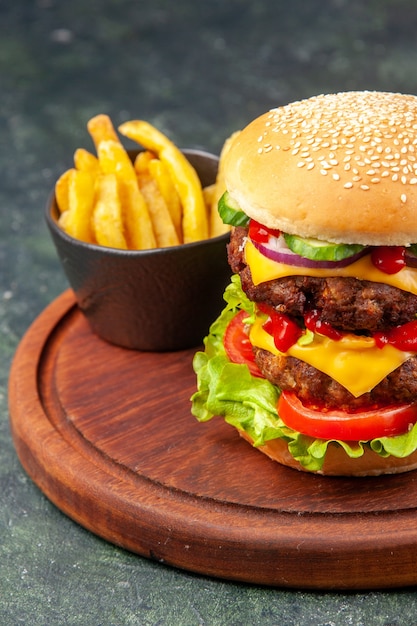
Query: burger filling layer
(338, 373)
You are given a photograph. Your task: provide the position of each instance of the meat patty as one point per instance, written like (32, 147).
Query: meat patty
(311, 385)
(348, 304)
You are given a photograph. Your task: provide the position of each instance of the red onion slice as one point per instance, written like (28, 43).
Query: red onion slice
(277, 250)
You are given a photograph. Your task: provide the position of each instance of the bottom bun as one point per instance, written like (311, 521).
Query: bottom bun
(337, 462)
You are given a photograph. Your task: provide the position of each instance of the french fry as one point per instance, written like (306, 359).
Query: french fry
(142, 161)
(76, 220)
(114, 159)
(208, 194)
(101, 129)
(62, 190)
(217, 227)
(138, 223)
(162, 223)
(86, 161)
(156, 201)
(107, 215)
(159, 172)
(187, 183)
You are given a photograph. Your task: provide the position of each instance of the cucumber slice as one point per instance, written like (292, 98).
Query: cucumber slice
(318, 250)
(230, 211)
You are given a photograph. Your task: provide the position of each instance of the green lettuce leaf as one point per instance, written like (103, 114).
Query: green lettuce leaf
(249, 403)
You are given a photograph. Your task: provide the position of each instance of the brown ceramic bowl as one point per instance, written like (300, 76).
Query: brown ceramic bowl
(156, 300)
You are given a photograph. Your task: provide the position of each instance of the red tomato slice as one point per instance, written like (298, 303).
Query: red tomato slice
(335, 424)
(237, 345)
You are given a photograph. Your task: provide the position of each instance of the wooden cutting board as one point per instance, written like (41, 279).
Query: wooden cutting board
(107, 434)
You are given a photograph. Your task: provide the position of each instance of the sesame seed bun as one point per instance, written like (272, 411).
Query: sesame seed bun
(337, 463)
(339, 167)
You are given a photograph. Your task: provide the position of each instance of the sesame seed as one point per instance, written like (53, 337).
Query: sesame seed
(403, 198)
(370, 134)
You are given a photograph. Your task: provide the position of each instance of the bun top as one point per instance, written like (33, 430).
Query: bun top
(339, 167)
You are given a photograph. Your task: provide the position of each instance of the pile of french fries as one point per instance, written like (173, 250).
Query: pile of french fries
(154, 201)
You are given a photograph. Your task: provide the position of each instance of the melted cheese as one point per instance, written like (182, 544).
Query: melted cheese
(354, 362)
(264, 269)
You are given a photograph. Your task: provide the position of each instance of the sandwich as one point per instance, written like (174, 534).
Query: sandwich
(314, 357)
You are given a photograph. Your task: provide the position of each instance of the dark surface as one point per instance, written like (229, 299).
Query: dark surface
(198, 70)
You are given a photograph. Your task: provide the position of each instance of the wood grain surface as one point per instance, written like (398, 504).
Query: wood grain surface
(108, 436)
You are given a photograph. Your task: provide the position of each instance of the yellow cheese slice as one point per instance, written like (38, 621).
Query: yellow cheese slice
(354, 362)
(264, 269)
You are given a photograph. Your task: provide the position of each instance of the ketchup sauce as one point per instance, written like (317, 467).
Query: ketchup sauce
(388, 259)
